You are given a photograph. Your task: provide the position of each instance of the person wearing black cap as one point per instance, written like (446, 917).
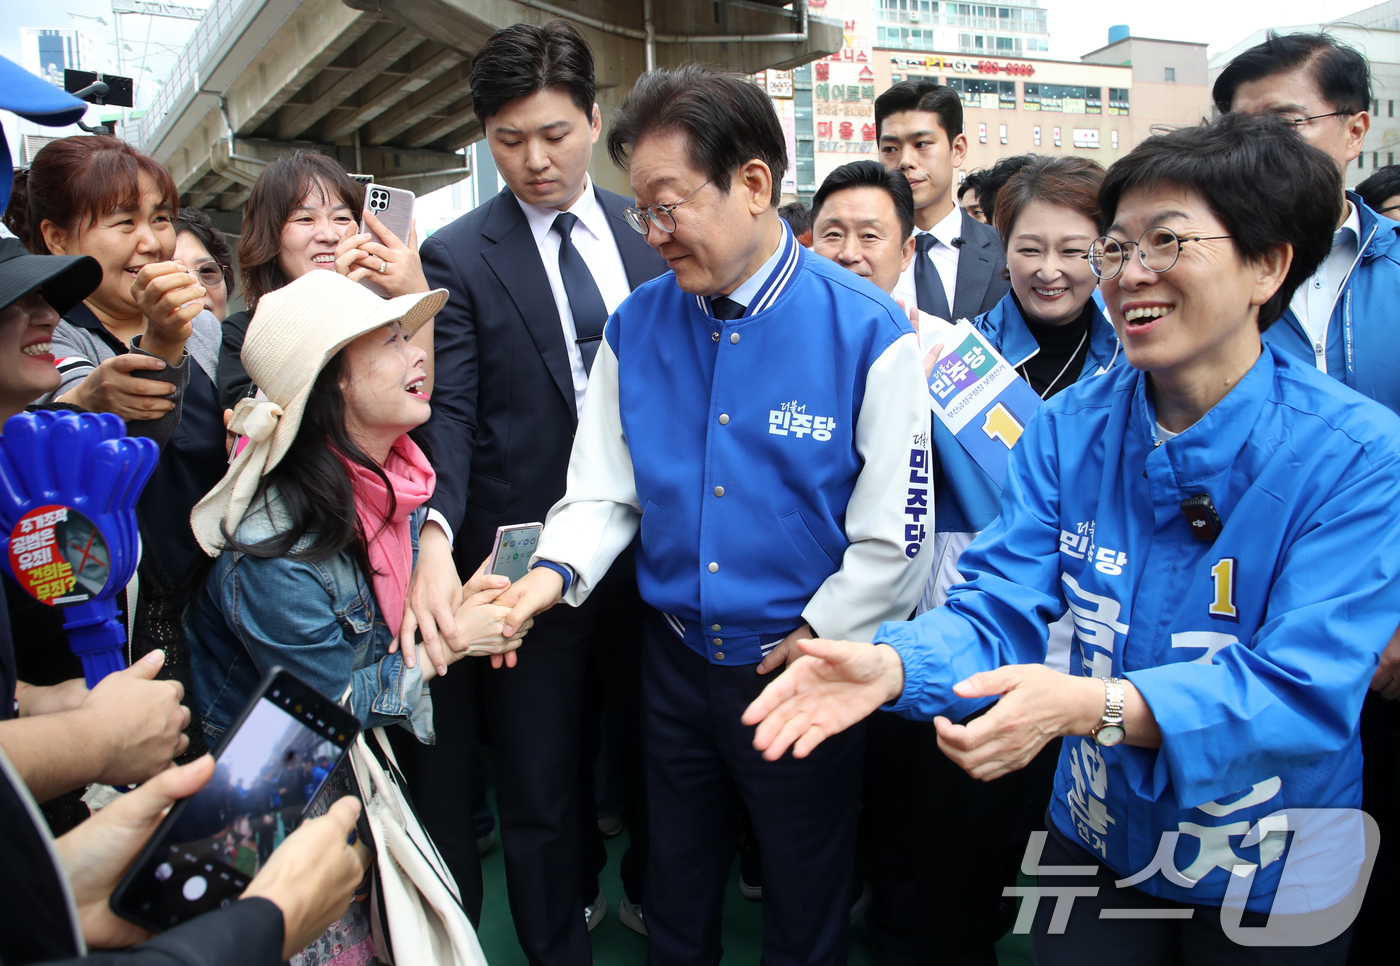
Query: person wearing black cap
(64, 737)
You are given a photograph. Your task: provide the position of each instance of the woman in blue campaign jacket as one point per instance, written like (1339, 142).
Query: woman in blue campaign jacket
(1049, 327)
(1222, 648)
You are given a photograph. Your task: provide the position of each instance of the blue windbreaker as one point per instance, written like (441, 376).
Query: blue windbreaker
(1253, 651)
(1362, 348)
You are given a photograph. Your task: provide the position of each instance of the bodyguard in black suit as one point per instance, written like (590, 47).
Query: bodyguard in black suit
(937, 840)
(533, 274)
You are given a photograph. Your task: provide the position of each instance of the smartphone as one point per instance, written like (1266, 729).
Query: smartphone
(394, 207)
(269, 766)
(510, 555)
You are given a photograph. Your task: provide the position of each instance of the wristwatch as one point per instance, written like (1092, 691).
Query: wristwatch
(1109, 730)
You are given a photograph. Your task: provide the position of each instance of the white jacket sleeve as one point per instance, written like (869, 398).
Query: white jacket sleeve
(599, 514)
(891, 509)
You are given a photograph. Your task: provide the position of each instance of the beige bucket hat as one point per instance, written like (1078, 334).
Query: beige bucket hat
(296, 330)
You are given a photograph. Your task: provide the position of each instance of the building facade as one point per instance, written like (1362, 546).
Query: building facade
(1016, 100)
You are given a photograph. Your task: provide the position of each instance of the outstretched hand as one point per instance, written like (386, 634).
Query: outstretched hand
(834, 685)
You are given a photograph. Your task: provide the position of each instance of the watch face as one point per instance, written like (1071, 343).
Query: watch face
(1109, 735)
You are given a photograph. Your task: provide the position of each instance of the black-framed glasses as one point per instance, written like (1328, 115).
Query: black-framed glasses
(1297, 122)
(1381, 211)
(658, 215)
(1157, 250)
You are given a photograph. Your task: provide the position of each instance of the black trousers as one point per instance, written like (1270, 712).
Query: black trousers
(439, 778)
(698, 755)
(1197, 941)
(940, 845)
(1373, 938)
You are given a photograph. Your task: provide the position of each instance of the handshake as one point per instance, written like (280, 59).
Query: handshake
(488, 615)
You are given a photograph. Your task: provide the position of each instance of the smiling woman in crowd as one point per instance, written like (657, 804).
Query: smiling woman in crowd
(302, 216)
(140, 346)
(1199, 511)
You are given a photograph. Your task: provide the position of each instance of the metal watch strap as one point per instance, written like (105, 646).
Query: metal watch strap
(1113, 702)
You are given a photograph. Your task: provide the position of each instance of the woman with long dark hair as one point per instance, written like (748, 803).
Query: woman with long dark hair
(315, 525)
(302, 216)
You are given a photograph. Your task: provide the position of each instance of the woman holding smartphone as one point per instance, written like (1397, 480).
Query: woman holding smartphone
(302, 216)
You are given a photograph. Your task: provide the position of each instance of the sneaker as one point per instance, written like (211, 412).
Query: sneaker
(596, 913)
(748, 891)
(750, 870)
(486, 842)
(630, 915)
(862, 903)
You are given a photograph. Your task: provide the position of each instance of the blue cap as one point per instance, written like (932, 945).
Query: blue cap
(35, 99)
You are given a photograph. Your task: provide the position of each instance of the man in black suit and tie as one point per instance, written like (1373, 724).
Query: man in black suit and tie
(957, 268)
(937, 839)
(533, 275)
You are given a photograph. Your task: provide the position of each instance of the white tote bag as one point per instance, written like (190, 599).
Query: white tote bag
(415, 909)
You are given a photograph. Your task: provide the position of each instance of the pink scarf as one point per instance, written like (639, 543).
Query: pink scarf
(391, 545)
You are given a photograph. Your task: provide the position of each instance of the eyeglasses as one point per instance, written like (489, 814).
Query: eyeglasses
(1381, 211)
(1157, 250)
(658, 215)
(210, 275)
(1297, 122)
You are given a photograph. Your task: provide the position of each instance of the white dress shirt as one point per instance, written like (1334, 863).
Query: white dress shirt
(593, 238)
(945, 259)
(1314, 300)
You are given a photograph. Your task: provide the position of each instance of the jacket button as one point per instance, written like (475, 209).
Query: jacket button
(724, 419)
(717, 642)
(719, 491)
(715, 628)
(714, 568)
(715, 335)
(734, 338)
(719, 655)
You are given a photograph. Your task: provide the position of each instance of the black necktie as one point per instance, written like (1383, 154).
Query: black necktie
(726, 309)
(584, 298)
(932, 298)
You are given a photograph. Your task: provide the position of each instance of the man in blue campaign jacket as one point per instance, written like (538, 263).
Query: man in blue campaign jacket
(1154, 605)
(760, 414)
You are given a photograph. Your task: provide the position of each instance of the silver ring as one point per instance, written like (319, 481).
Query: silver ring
(383, 266)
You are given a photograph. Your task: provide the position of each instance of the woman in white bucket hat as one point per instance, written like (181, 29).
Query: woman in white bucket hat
(315, 525)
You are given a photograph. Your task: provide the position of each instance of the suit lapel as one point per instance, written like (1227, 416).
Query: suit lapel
(515, 258)
(974, 273)
(639, 260)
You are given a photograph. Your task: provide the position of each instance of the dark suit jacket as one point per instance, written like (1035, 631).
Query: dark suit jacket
(979, 285)
(503, 395)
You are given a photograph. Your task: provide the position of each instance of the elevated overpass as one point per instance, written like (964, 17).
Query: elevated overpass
(383, 85)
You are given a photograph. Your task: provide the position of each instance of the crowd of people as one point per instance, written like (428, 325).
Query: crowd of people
(775, 591)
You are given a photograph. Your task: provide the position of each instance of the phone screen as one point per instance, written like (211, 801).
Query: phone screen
(273, 766)
(513, 553)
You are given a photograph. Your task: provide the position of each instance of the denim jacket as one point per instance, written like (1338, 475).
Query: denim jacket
(319, 621)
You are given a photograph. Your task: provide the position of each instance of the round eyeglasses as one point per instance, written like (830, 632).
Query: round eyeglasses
(1157, 250)
(210, 276)
(658, 215)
